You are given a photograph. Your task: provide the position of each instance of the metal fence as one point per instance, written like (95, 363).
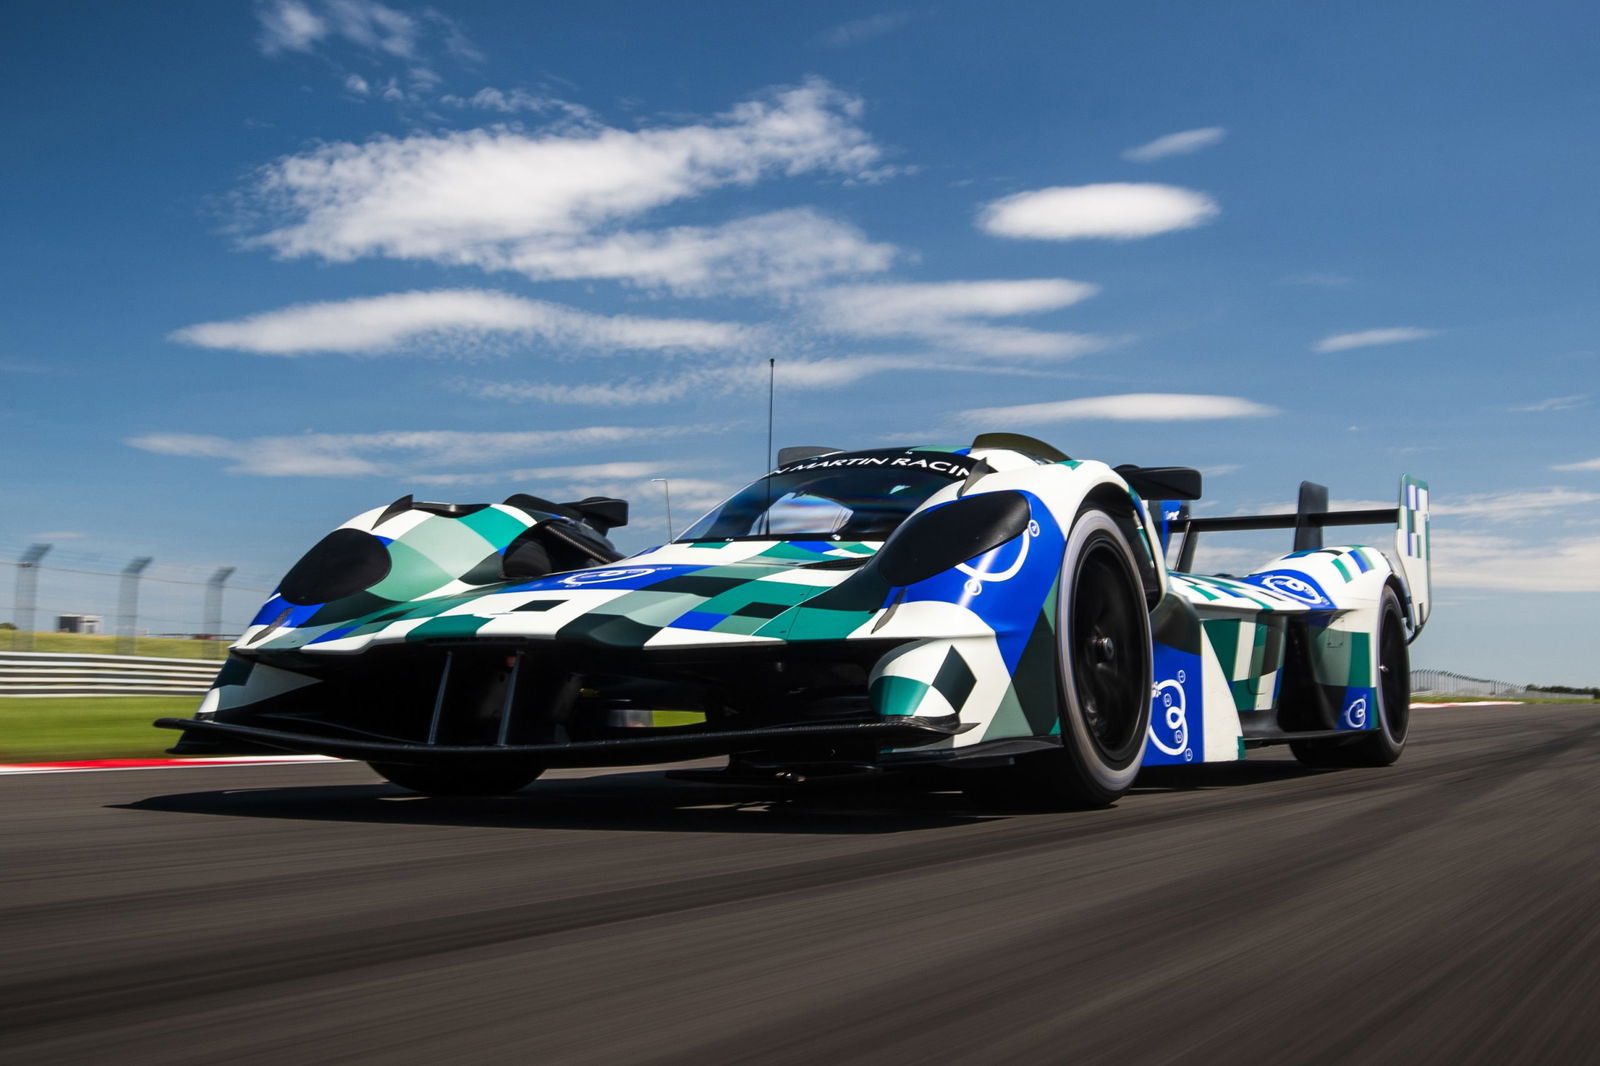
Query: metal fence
(45, 674)
(137, 598)
(1445, 683)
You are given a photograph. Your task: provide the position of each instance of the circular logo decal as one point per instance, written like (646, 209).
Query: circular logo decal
(1168, 719)
(1293, 587)
(601, 577)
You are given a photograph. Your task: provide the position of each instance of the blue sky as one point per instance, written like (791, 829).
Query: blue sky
(273, 264)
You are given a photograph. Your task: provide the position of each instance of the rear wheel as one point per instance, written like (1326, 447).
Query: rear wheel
(1380, 746)
(1103, 626)
(457, 780)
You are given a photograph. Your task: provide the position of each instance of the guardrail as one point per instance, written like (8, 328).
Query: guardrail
(44, 674)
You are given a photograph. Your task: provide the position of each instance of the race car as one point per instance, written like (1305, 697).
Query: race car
(999, 609)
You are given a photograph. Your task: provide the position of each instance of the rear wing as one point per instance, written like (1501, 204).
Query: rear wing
(1311, 517)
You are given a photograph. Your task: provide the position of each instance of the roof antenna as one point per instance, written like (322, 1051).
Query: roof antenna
(772, 377)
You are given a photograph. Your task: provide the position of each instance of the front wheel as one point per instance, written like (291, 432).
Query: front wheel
(457, 780)
(1103, 633)
(1383, 744)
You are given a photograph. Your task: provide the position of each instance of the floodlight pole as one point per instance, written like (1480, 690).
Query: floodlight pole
(128, 605)
(27, 591)
(213, 622)
(666, 489)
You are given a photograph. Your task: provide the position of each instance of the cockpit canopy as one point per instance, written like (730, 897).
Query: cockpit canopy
(838, 496)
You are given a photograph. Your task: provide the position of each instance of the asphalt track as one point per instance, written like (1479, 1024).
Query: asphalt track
(1444, 910)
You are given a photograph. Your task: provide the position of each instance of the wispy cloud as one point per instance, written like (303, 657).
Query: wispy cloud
(1112, 211)
(1181, 143)
(518, 101)
(1521, 505)
(953, 313)
(364, 25)
(778, 250)
(1555, 403)
(382, 454)
(1586, 464)
(551, 204)
(626, 469)
(724, 379)
(449, 320)
(1482, 561)
(856, 31)
(1369, 338)
(1131, 407)
(399, 53)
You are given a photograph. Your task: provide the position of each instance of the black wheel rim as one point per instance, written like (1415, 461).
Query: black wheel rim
(1394, 669)
(1106, 644)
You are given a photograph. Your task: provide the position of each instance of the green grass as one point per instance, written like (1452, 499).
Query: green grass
(95, 727)
(106, 644)
(1546, 698)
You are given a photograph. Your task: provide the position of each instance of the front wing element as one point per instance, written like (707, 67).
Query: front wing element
(868, 736)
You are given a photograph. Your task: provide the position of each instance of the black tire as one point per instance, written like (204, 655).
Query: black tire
(1383, 745)
(1103, 626)
(457, 780)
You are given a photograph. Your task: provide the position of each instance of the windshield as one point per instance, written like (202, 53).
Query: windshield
(845, 496)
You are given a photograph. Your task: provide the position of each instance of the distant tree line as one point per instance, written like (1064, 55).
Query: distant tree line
(1592, 693)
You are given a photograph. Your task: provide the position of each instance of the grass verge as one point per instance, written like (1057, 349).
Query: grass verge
(108, 644)
(98, 727)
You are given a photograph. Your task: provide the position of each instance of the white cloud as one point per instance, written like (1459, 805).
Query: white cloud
(825, 373)
(382, 39)
(1176, 144)
(289, 26)
(549, 203)
(510, 102)
(1132, 407)
(1368, 338)
(1520, 505)
(452, 320)
(1480, 561)
(546, 475)
(946, 313)
(382, 454)
(1586, 464)
(864, 29)
(1112, 211)
(778, 250)
(1555, 403)
(298, 26)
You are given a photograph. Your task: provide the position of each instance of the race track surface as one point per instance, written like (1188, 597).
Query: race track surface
(1444, 910)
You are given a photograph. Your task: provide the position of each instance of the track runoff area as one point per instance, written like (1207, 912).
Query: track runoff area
(1437, 911)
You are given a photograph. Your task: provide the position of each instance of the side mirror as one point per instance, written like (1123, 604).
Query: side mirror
(602, 512)
(1162, 482)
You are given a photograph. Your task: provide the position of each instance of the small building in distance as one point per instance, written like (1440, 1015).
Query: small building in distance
(78, 623)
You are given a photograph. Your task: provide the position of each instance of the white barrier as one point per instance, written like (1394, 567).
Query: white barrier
(45, 674)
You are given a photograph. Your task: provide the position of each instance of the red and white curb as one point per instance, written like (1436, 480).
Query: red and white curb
(1472, 703)
(100, 765)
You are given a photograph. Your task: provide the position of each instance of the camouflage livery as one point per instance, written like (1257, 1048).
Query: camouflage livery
(811, 645)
